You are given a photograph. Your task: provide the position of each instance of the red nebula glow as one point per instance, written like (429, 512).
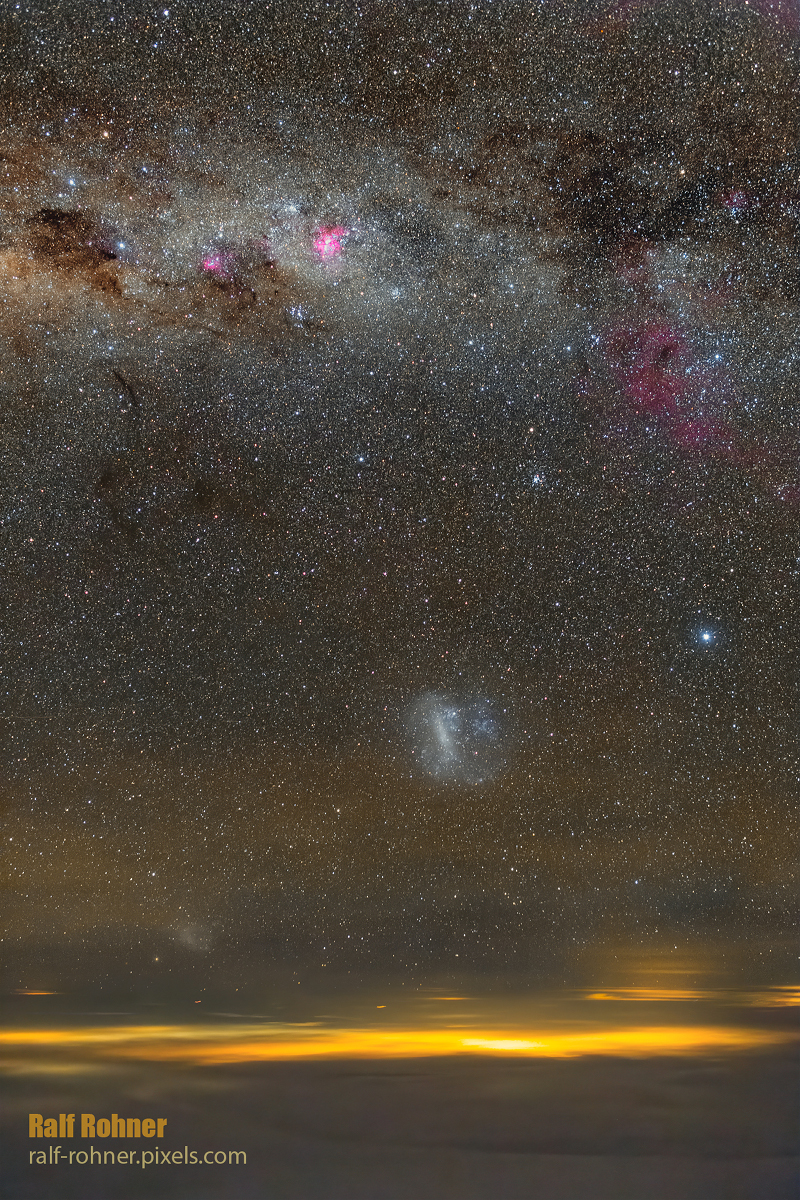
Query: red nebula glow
(644, 361)
(704, 434)
(326, 243)
(785, 13)
(738, 200)
(659, 375)
(219, 263)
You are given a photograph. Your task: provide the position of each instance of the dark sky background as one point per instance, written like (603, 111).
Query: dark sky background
(400, 499)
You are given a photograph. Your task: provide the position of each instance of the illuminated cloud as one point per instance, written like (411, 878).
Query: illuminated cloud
(232, 1043)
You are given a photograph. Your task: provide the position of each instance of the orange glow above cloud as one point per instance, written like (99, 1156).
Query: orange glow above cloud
(774, 997)
(206, 1045)
(645, 993)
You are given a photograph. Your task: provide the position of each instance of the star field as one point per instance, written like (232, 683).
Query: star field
(400, 497)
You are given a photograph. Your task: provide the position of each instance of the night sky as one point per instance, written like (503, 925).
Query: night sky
(400, 494)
